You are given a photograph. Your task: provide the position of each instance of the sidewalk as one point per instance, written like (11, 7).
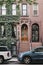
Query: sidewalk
(14, 59)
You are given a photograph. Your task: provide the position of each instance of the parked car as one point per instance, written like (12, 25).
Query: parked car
(5, 54)
(33, 55)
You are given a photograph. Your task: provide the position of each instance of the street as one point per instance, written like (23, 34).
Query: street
(19, 63)
(14, 61)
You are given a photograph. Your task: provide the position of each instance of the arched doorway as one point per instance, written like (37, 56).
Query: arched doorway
(24, 32)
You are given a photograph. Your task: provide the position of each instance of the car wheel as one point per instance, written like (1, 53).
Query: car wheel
(27, 60)
(1, 60)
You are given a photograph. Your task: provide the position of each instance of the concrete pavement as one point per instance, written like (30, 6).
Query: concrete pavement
(14, 59)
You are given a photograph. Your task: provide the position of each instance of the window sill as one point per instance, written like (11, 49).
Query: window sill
(8, 15)
(35, 15)
(24, 16)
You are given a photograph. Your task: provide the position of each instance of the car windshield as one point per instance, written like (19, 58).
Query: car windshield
(40, 49)
(3, 49)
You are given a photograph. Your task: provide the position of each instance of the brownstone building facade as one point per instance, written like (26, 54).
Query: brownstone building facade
(30, 26)
(21, 25)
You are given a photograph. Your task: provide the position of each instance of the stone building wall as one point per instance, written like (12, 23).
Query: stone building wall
(10, 21)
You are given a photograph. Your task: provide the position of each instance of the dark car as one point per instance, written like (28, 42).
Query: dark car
(33, 55)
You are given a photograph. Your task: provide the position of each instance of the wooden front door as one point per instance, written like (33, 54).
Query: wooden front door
(24, 32)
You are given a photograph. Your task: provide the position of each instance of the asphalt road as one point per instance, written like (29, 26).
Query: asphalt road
(22, 64)
(18, 63)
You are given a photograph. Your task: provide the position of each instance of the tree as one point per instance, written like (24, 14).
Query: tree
(28, 1)
(31, 1)
(19, 1)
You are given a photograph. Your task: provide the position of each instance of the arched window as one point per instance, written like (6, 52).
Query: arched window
(35, 32)
(24, 32)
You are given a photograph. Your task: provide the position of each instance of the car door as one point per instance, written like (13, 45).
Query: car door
(41, 53)
(36, 54)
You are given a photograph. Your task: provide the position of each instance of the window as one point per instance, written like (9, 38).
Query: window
(0, 9)
(24, 9)
(14, 49)
(2, 29)
(39, 49)
(35, 33)
(14, 31)
(3, 49)
(13, 9)
(35, 9)
(4, 9)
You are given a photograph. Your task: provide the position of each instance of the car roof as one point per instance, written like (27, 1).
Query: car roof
(40, 47)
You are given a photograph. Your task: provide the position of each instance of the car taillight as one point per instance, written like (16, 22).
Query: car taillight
(8, 54)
